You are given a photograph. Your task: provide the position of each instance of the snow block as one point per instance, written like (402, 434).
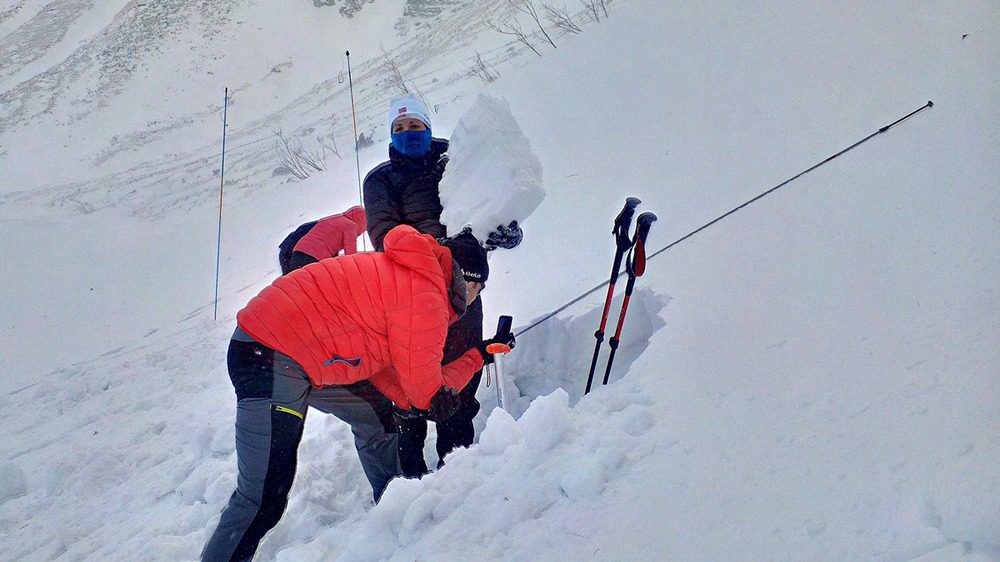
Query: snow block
(492, 177)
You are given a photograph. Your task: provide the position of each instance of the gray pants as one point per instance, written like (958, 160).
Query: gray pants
(273, 394)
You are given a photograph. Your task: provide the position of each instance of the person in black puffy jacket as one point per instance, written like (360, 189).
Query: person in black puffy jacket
(404, 190)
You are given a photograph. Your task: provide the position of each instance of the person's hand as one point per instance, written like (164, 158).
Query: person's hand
(500, 343)
(505, 237)
(411, 414)
(444, 404)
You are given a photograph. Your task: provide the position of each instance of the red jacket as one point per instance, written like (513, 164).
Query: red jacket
(334, 233)
(377, 316)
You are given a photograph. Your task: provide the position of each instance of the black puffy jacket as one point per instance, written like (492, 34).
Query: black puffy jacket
(404, 190)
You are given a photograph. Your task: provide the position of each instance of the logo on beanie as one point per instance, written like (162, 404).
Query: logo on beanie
(470, 275)
(402, 110)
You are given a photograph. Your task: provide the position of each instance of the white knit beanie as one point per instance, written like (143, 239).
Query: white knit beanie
(408, 106)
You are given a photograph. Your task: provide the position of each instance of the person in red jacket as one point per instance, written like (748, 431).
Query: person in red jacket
(380, 317)
(329, 237)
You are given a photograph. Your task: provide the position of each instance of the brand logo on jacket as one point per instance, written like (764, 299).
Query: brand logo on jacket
(353, 363)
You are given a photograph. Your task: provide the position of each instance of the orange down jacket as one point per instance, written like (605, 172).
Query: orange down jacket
(334, 234)
(377, 316)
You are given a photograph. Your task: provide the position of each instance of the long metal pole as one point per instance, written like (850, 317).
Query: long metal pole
(357, 147)
(222, 185)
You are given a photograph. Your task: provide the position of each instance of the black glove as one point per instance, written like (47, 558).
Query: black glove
(505, 237)
(411, 414)
(444, 404)
(500, 343)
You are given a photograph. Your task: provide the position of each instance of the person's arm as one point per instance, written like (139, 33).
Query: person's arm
(422, 207)
(416, 334)
(458, 373)
(350, 242)
(387, 382)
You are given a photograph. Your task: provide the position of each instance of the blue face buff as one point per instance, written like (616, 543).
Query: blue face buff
(414, 144)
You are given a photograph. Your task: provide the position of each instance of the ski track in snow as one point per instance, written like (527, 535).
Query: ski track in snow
(106, 60)
(191, 173)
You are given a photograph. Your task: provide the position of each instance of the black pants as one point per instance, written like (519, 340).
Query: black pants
(456, 431)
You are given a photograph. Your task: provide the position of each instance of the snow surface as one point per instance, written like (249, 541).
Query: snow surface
(813, 378)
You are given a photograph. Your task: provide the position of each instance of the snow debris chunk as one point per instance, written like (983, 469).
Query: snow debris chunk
(13, 482)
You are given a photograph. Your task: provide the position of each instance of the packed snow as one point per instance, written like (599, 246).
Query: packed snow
(815, 377)
(493, 177)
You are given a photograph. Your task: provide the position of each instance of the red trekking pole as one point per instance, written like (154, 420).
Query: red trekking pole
(623, 243)
(635, 266)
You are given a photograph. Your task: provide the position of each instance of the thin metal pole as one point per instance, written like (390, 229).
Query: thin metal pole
(357, 147)
(222, 185)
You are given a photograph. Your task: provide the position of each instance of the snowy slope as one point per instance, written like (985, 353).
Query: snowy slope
(812, 378)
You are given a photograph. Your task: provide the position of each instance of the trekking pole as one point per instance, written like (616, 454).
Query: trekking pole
(635, 266)
(222, 185)
(498, 350)
(357, 147)
(623, 243)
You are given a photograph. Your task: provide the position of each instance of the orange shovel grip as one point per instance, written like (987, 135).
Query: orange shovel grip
(495, 348)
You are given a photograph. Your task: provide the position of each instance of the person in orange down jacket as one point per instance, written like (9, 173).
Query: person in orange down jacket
(381, 317)
(329, 237)
(323, 238)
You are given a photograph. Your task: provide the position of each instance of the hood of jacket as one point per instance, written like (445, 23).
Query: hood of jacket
(422, 254)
